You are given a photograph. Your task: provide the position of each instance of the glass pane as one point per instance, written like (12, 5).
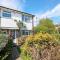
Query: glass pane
(7, 14)
(23, 32)
(27, 19)
(23, 18)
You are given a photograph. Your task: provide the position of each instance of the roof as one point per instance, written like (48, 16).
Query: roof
(17, 11)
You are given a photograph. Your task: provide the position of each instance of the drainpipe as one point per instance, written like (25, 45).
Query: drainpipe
(32, 25)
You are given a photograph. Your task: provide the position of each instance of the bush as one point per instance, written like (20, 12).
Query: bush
(3, 40)
(33, 45)
(7, 50)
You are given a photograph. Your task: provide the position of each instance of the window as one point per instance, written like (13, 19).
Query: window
(25, 32)
(6, 14)
(25, 18)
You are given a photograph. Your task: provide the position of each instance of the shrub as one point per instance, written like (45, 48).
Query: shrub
(3, 40)
(7, 49)
(35, 44)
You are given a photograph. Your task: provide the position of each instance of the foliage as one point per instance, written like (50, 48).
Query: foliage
(20, 25)
(34, 44)
(45, 40)
(24, 53)
(7, 50)
(3, 40)
(21, 40)
(45, 25)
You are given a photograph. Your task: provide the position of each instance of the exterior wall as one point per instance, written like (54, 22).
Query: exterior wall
(9, 26)
(10, 23)
(57, 26)
(17, 16)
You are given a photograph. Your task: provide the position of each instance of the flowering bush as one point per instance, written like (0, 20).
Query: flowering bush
(39, 37)
(34, 44)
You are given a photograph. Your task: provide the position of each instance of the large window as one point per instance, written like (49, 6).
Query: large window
(25, 32)
(25, 18)
(6, 14)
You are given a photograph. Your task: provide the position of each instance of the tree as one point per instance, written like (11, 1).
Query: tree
(45, 25)
(20, 24)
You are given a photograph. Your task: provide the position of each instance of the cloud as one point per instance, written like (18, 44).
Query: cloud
(54, 14)
(51, 13)
(16, 4)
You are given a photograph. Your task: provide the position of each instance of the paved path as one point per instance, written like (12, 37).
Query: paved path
(15, 54)
(19, 58)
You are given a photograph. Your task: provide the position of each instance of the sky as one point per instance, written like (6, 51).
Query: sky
(40, 8)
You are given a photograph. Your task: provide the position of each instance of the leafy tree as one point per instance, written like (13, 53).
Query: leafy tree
(20, 24)
(45, 25)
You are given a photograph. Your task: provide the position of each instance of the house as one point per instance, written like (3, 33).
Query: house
(9, 25)
(58, 27)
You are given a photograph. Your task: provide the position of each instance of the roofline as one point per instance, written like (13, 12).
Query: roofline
(17, 10)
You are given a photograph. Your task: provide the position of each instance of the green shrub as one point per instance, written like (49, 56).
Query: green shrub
(7, 50)
(40, 41)
(3, 40)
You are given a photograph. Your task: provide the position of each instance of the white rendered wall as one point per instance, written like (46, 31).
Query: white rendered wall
(15, 16)
(18, 16)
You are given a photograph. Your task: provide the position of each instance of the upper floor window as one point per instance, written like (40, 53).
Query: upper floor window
(25, 18)
(6, 14)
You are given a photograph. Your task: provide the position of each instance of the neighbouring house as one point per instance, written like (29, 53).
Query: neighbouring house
(9, 25)
(58, 27)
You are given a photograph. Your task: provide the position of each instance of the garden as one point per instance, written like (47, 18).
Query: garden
(6, 45)
(44, 44)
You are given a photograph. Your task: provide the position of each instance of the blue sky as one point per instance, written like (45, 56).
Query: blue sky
(40, 5)
(40, 8)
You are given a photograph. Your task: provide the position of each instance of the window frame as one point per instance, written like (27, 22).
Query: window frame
(25, 18)
(6, 14)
